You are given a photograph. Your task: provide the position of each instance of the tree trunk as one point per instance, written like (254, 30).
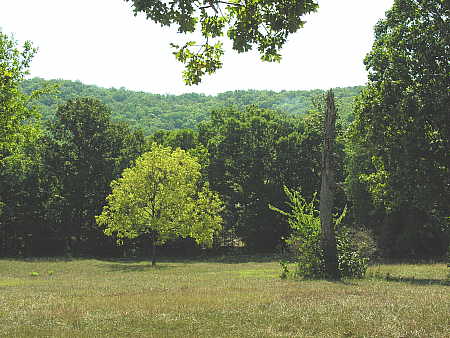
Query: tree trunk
(327, 190)
(4, 241)
(153, 240)
(69, 246)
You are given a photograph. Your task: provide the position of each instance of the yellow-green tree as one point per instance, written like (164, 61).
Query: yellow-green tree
(161, 197)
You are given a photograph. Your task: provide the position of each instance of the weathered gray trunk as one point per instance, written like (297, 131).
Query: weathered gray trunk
(327, 190)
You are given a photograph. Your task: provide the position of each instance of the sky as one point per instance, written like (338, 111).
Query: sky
(101, 42)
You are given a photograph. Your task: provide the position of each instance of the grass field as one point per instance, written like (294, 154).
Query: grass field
(221, 298)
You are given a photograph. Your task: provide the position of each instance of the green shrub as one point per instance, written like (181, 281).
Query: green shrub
(284, 270)
(304, 242)
(352, 261)
(354, 247)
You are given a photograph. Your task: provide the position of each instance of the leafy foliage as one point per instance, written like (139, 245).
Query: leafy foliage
(15, 114)
(304, 221)
(355, 248)
(160, 196)
(55, 179)
(152, 112)
(305, 240)
(399, 144)
(84, 151)
(262, 24)
(252, 154)
(19, 131)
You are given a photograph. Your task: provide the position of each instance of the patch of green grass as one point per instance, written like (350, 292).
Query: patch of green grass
(217, 298)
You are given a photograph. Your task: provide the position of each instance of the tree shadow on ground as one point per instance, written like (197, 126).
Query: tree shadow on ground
(226, 259)
(346, 282)
(237, 259)
(129, 260)
(214, 258)
(34, 259)
(408, 261)
(134, 266)
(411, 280)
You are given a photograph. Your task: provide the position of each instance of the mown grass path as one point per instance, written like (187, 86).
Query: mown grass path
(119, 298)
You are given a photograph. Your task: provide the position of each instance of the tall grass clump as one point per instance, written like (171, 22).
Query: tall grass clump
(354, 247)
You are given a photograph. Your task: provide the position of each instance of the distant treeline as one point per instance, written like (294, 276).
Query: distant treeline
(152, 112)
(62, 143)
(54, 187)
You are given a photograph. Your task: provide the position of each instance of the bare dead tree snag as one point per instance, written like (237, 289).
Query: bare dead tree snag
(327, 190)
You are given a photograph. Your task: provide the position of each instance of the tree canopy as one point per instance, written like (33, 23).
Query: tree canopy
(15, 113)
(264, 24)
(84, 152)
(403, 115)
(17, 130)
(397, 163)
(160, 196)
(152, 112)
(401, 136)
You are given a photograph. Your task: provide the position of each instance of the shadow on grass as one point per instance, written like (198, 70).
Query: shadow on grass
(39, 259)
(409, 261)
(237, 259)
(225, 258)
(410, 280)
(346, 282)
(126, 267)
(128, 260)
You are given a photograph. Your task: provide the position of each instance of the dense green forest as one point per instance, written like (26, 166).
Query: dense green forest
(151, 112)
(67, 152)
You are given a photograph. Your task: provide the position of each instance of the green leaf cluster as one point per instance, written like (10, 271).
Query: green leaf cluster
(16, 114)
(152, 112)
(160, 196)
(19, 120)
(263, 24)
(254, 152)
(305, 240)
(399, 159)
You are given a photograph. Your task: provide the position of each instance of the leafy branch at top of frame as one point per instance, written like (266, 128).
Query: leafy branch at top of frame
(263, 24)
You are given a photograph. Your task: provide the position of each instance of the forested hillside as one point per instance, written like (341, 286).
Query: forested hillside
(241, 170)
(152, 112)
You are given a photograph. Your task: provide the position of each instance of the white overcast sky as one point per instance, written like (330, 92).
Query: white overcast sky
(101, 42)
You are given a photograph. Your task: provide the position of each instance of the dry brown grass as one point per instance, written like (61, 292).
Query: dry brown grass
(91, 298)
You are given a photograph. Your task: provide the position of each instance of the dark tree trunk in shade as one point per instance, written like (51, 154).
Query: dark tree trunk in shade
(153, 240)
(327, 190)
(4, 241)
